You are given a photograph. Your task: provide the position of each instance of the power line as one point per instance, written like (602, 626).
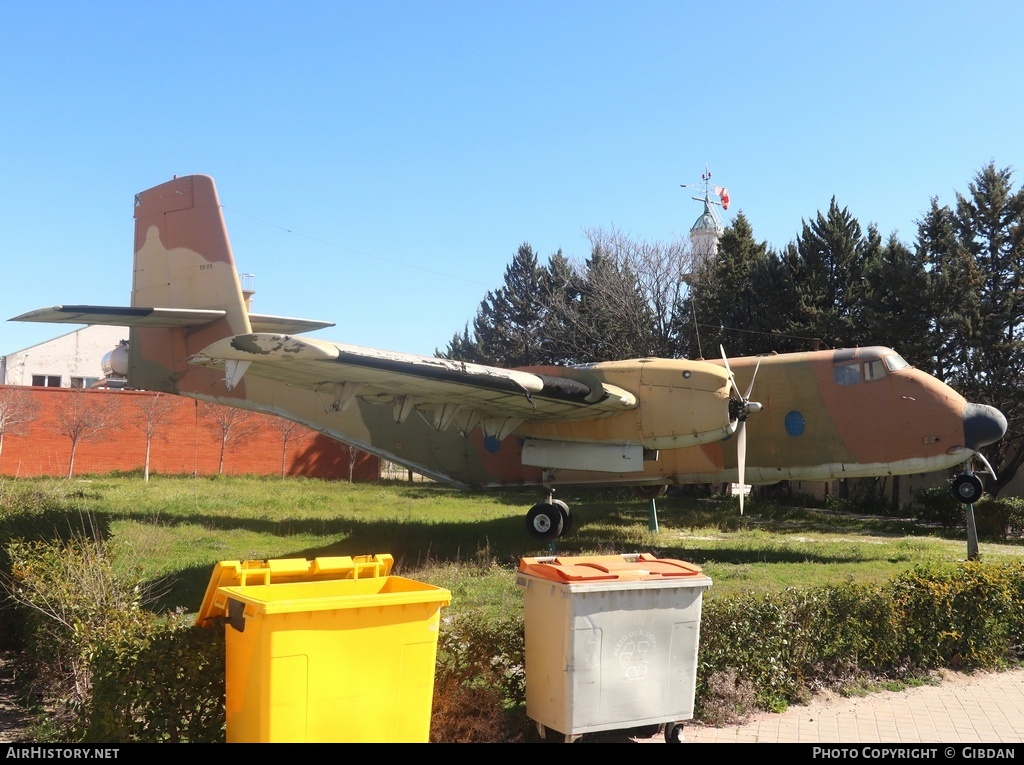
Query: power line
(355, 251)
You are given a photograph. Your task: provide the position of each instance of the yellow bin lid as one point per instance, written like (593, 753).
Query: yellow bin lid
(233, 573)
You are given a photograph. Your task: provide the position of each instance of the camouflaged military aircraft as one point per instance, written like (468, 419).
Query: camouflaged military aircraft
(648, 422)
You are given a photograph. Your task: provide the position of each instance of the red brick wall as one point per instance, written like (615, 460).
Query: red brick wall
(186, 439)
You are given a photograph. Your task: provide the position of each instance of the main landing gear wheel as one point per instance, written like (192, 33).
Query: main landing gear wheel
(967, 488)
(544, 521)
(566, 516)
(651, 491)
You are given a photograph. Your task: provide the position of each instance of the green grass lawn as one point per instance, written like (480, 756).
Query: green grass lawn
(171, 531)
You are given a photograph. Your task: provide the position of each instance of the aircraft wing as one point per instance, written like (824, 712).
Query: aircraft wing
(432, 385)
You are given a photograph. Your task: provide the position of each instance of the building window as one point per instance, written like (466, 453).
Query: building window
(46, 381)
(83, 382)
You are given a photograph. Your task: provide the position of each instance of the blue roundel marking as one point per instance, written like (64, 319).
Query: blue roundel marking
(795, 424)
(492, 444)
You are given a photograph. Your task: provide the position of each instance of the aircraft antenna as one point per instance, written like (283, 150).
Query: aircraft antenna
(696, 329)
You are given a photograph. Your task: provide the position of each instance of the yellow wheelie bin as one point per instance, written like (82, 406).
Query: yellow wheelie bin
(329, 650)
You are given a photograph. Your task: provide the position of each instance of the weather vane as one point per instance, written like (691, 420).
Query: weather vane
(705, 185)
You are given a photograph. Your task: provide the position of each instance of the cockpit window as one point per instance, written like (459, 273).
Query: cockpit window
(895, 363)
(871, 365)
(847, 374)
(874, 370)
(853, 373)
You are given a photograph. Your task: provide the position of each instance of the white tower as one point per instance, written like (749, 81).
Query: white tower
(707, 229)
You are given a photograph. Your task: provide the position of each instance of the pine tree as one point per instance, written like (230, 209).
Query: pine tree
(830, 250)
(977, 252)
(508, 327)
(726, 303)
(898, 303)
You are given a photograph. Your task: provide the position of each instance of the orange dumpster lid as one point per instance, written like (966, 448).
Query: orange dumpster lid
(233, 573)
(594, 568)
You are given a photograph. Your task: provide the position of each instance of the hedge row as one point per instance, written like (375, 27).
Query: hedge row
(786, 644)
(114, 672)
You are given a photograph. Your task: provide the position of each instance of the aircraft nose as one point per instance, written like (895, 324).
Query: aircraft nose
(983, 425)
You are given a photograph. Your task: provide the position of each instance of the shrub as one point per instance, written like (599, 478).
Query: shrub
(162, 684)
(1014, 508)
(72, 600)
(479, 685)
(787, 643)
(936, 504)
(729, 698)
(108, 669)
(969, 617)
(1000, 518)
(116, 672)
(841, 633)
(750, 634)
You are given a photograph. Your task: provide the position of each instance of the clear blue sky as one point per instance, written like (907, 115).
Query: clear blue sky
(380, 162)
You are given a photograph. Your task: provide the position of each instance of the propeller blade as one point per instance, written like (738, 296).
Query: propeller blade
(741, 457)
(750, 388)
(744, 407)
(732, 377)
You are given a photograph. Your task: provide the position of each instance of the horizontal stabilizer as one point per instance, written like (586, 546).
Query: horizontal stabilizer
(285, 325)
(127, 316)
(122, 316)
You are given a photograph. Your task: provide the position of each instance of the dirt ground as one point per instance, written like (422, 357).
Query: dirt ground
(13, 721)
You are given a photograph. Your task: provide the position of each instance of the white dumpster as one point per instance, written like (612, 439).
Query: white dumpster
(611, 642)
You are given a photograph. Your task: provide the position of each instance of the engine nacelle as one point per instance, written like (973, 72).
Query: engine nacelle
(680, 403)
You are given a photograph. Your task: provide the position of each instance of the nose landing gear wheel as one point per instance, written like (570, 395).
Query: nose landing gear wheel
(967, 488)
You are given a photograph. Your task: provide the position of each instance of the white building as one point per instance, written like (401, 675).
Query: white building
(73, 360)
(705, 233)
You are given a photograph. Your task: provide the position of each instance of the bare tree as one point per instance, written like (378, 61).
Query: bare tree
(155, 408)
(286, 429)
(353, 457)
(84, 416)
(17, 408)
(228, 422)
(658, 271)
(622, 302)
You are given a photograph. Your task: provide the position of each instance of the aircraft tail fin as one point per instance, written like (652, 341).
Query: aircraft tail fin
(186, 292)
(183, 256)
(183, 260)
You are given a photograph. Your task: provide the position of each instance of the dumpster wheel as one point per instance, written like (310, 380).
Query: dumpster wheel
(674, 733)
(554, 736)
